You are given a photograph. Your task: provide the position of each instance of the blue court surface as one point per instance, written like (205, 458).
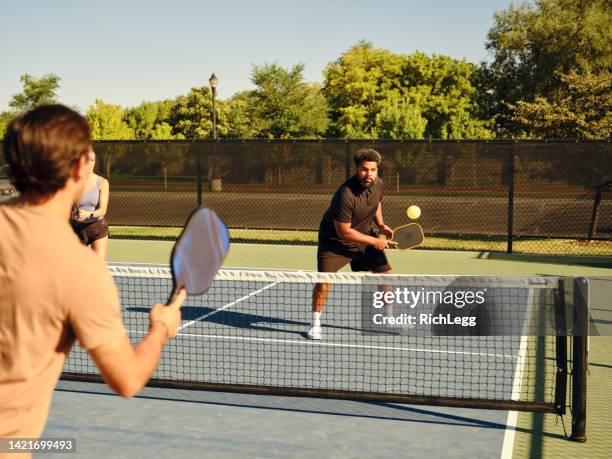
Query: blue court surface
(171, 423)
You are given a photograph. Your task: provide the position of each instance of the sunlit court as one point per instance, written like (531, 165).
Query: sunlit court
(321, 230)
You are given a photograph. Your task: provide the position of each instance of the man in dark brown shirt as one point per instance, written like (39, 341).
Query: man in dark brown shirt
(345, 233)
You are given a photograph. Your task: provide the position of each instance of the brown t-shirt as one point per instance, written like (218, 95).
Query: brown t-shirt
(350, 204)
(52, 289)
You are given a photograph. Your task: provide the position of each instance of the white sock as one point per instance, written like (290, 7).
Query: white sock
(316, 319)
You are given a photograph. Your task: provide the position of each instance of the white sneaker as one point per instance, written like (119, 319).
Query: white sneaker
(314, 333)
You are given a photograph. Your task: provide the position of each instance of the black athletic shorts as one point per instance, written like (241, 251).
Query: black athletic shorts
(90, 231)
(330, 258)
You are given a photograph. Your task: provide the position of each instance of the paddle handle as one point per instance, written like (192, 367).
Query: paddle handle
(175, 292)
(389, 241)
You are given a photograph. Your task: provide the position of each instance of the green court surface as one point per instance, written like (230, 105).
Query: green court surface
(407, 262)
(537, 435)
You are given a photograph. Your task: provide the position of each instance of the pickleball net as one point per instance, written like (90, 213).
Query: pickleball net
(247, 333)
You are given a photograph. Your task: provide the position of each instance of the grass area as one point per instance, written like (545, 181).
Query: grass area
(531, 246)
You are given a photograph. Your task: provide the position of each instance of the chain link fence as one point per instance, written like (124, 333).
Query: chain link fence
(551, 197)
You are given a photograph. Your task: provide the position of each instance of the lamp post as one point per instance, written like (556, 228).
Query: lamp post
(213, 81)
(215, 184)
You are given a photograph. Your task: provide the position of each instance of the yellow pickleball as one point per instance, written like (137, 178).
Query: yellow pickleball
(413, 212)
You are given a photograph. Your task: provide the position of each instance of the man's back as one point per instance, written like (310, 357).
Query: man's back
(52, 288)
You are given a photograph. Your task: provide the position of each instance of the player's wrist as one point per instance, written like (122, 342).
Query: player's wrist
(157, 326)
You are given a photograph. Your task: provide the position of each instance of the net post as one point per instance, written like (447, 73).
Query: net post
(580, 358)
(511, 170)
(561, 348)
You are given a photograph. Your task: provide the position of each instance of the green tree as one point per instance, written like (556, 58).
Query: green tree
(149, 120)
(581, 107)
(361, 83)
(106, 122)
(355, 83)
(533, 46)
(5, 119)
(36, 91)
(398, 119)
(284, 106)
(163, 131)
(240, 124)
(443, 89)
(191, 115)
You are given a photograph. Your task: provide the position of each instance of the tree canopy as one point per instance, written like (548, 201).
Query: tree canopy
(150, 120)
(535, 49)
(191, 115)
(581, 107)
(283, 105)
(436, 92)
(106, 122)
(36, 91)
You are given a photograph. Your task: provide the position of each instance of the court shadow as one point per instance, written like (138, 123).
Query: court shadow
(593, 262)
(234, 319)
(382, 411)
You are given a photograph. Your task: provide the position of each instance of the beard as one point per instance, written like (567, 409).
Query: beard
(366, 185)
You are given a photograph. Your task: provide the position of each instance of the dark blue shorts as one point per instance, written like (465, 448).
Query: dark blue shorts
(330, 258)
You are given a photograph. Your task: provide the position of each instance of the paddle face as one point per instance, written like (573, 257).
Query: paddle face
(408, 236)
(199, 252)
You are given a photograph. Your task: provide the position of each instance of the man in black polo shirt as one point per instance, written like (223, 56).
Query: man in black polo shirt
(345, 232)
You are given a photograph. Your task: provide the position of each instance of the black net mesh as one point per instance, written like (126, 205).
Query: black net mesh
(248, 333)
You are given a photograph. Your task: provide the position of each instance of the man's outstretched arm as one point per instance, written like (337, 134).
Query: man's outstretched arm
(126, 368)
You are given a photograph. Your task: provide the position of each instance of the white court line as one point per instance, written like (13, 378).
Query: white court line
(233, 303)
(512, 421)
(323, 344)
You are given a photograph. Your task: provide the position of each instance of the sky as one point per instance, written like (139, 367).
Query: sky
(126, 52)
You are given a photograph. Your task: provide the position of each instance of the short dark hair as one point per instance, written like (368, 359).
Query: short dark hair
(366, 154)
(42, 145)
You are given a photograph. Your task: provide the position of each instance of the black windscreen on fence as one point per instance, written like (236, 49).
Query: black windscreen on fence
(466, 189)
